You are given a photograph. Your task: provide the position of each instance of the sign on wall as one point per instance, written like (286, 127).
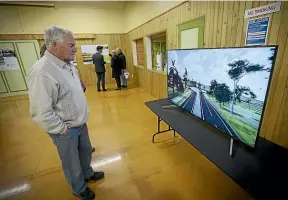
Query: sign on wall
(263, 10)
(89, 50)
(257, 31)
(8, 60)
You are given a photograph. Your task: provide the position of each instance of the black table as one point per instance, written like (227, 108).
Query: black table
(262, 171)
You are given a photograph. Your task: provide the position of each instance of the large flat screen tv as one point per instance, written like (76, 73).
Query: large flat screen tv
(225, 87)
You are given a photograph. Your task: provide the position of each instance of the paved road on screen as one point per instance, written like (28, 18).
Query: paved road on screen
(195, 102)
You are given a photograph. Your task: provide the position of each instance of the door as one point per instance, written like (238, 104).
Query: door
(15, 78)
(3, 88)
(191, 34)
(22, 54)
(28, 54)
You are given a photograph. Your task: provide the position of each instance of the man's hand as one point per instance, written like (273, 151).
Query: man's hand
(83, 86)
(67, 131)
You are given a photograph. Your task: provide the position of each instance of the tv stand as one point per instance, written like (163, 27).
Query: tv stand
(251, 168)
(231, 147)
(159, 129)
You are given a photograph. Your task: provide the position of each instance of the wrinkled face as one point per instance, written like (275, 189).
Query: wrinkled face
(65, 50)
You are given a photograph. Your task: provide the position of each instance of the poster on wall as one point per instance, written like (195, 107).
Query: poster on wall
(257, 31)
(8, 60)
(89, 50)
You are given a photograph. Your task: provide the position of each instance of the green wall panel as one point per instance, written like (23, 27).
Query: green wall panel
(196, 23)
(15, 79)
(28, 54)
(2, 85)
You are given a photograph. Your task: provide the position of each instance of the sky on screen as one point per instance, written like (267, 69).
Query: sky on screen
(208, 64)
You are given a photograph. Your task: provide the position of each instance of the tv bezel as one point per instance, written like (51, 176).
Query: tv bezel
(266, 95)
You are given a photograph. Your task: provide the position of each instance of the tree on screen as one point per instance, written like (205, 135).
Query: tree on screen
(252, 97)
(271, 58)
(213, 85)
(239, 69)
(171, 78)
(240, 90)
(185, 77)
(178, 82)
(222, 93)
(174, 79)
(193, 83)
(273, 55)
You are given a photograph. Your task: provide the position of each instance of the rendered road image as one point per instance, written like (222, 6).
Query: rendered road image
(195, 102)
(224, 87)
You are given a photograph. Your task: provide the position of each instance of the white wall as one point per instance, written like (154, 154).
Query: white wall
(95, 17)
(137, 13)
(33, 20)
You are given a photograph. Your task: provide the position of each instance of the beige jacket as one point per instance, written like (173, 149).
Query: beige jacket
(57, 101)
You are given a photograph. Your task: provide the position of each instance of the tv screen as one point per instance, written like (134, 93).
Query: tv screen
(225, 87)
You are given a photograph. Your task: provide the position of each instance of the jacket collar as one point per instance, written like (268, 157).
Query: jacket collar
(56, 60)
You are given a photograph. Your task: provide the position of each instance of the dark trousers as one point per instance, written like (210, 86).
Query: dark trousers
(118, 82)
(75, 151)
(101, 78)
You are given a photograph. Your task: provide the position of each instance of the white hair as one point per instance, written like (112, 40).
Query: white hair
(55, 33)
(119, 50)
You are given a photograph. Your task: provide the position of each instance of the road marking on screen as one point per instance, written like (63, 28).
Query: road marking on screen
(220, 118)
(201, 107)
(187, 101)
(193, 102)
(207, 105)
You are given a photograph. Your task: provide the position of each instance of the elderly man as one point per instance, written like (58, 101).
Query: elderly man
(59, 106)
(123, 67)
(116, 68)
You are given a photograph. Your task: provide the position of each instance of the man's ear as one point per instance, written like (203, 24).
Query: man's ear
(54, 43)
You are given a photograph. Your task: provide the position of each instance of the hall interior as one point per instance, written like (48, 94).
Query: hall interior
(120, 124)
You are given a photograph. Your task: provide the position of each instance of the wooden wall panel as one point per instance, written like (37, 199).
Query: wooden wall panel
(225, 26)
(87, 72)
(274, 121)
(140, 52)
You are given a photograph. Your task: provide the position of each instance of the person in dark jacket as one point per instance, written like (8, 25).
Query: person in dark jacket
(98, 61)
(123, 67)
(116, 68)
(42, 51)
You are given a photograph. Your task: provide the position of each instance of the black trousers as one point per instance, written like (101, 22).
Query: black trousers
(118, 82)
(101, 78)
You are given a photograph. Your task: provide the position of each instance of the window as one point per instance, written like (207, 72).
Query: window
(138, 52)
(156, 52)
